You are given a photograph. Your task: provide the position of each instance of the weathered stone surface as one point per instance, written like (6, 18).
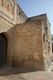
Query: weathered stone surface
(29, 76)
(29, 44)
(27, 48)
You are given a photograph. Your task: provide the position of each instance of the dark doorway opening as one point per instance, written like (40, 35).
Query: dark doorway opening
(3, 50)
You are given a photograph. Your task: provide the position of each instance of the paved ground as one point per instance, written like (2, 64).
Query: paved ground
(39, 75)
(29, 76)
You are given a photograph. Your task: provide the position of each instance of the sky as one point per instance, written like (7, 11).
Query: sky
(37, 7)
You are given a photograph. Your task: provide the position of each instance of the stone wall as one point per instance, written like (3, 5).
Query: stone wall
(52, 44)
(10, 10)
(29, 46)
(8, 5)
(46, 38)
(52, 48)
(47, 46)
(20, 16)
(5, 25)
(25, 48)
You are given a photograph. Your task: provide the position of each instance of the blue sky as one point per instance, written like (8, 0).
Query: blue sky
(37, 7)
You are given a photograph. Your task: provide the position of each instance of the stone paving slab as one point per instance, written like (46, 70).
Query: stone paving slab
(29, 76)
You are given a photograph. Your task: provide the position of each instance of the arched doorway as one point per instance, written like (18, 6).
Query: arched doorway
(3, 49)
